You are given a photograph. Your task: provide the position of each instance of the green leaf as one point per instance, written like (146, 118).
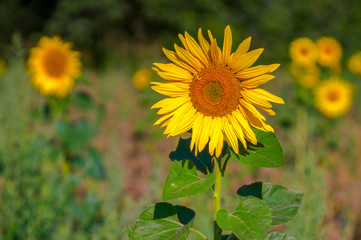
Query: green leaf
(251, 219)
(203, 160)
(279, 236)
(74, 135)
(183, 180)
(162, 221)
(283, 203)
(267, 153)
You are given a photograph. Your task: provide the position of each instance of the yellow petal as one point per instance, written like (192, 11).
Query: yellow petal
(171, 104)
(242, 49)
(238, 130)
(171, 89)
(204, 135)
(251, 109)
(227, 44)
(203, 42)
(184, 112)
(246, 60)
(256, 81)
(196, 130)
(188, 58)
(196, 50)
(170, 71)
(261, 93)
(215, 55)
(176, 60)
(216, 128)
(219, 146)
(163, 118)
(255, 99)
(231, 136)
(257, 71)
(247, 130)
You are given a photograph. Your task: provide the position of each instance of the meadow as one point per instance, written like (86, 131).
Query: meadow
(84, 165)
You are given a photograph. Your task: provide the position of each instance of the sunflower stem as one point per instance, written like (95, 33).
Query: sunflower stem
(198, 233)
(217, 196)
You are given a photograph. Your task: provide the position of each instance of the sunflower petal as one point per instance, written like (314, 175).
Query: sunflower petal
(257, 71)
(171, 55)
(188, 57)
(246, 60)
(196, 50)
(227, 45)
(231, 136)
(203, 42)
(256, 81)
(242, 49)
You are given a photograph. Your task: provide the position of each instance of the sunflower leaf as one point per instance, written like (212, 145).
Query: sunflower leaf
(203, 160)
(162, 221)
(251, 219)
(283, 203)
(267, 153)
(183, 180)
(279, 236)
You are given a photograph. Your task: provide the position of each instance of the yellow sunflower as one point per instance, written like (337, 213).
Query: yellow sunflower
(329, 52)
(333, 97)
(142, 78)
(354, 64)
(213, 92)
(307, 76)
(303, 51)
(53, 67)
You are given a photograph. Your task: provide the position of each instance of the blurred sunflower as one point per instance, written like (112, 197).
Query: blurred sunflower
(329, 52)
(333, 97)
(303, 51)
(354, 64)
(214, 92)
(142, 78)
(2, 66)
(307, 76)
(53, 67)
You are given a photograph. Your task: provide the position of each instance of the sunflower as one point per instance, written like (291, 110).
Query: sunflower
(307, 76)
(142, 78)
(354, 64)
(329, 52)
(53, 67)
(213, 92)
(333, 97)
(303, 51)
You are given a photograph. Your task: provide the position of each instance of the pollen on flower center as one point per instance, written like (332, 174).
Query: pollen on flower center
(54, 63)
(215, 91)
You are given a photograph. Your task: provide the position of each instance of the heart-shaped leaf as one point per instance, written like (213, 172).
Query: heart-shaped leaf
(283, 203)
(183, 180)
(267, 153)
(162, 221)
(250, 220)
(279, 236)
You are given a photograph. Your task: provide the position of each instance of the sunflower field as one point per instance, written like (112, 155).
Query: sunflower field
(160, 120)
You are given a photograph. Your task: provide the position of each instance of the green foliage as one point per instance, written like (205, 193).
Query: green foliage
(250, 220)
(183, 180)
(162, 221)
(283, 203)
(203, 161)
(267, 153)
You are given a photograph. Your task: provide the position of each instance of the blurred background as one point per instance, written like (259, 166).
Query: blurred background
(84, 167)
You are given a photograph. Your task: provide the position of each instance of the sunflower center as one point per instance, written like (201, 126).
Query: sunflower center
(333, 95)
(55, 63)
(215, 91)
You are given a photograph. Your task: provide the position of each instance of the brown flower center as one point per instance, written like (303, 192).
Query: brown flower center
(333, 95)
(55, 63)
(215, 91)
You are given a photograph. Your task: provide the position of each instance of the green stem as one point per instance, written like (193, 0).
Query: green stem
(198, 232)
(217, 197)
